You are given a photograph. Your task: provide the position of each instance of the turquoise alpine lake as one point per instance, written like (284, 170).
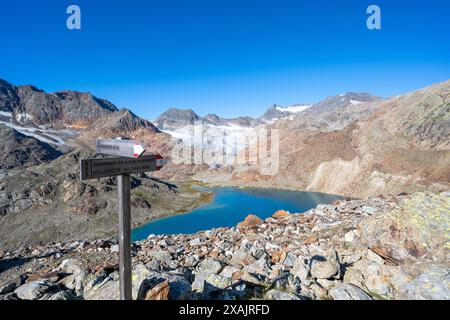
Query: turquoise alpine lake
(230, 206)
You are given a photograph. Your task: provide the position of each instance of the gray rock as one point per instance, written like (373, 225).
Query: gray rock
(346, 291)
(9, 296)
(198, 284)
(140, 273)
(286, 282)
(63, 295)
(369, 210)
(301, 268)
(210, 265)
(350, 236)
(434, 284)
(154, 264)
(289, 260)
(33, 290)
(195, 242)
(325, 266)
(10, 285)
(78, 274)
(190, 261)
(179, 287)
(260, 267)
(372, 256)
(106, 290)
(228, 271)
(163, 256)
(242, 258)
(218, 281)
(274, 294)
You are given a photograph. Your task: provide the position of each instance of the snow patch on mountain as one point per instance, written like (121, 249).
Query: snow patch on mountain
(293, 109)
(24, 117)
(50, 136)
(355, 102)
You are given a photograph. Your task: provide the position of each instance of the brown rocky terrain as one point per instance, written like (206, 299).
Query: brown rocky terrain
(394, 247)
(389, 146)
(49, 201)
(30, 105)
(18, 150)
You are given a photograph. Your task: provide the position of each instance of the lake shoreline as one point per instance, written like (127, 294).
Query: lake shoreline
(212, 184)
(229, 205)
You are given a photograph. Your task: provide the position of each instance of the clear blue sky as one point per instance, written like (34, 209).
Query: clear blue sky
(230, 57)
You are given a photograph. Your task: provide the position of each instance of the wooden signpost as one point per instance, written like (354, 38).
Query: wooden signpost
(130, 161)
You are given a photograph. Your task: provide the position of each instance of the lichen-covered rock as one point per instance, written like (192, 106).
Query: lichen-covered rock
(418, 227)
(345, 291)
(433, 284)
(280, 295)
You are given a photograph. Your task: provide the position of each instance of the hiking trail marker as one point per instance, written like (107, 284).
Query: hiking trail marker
(130, 161)
(119, 147)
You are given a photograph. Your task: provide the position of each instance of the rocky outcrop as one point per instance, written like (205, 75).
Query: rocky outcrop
(121, 123)
(380, 248)
(176, 118)
(31, 105)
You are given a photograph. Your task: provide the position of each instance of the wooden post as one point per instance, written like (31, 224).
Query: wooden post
(130, 161)
(124, 189)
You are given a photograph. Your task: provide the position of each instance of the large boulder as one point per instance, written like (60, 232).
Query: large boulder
(433, 284)
(280, 295)
(416, 229)
(77, 275)
(346, 291)
(325, 266)
(33, 290)
(210, 265)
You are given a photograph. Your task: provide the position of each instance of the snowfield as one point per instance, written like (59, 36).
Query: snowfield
(50, 136)
(294, 109)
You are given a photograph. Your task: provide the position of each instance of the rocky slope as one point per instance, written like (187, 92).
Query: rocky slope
(377, 147)
(49, 201)
(18, 150)
(26, 107)
(30, 105)
(379, 248)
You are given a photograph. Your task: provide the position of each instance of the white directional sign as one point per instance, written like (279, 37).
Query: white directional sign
(122, 148)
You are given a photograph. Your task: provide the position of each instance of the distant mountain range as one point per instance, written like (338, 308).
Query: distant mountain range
(174, 120)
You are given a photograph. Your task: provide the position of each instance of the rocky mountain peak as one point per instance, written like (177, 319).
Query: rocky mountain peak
(175, 118)
(8, 96)
(123, 122)
(342, 100)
